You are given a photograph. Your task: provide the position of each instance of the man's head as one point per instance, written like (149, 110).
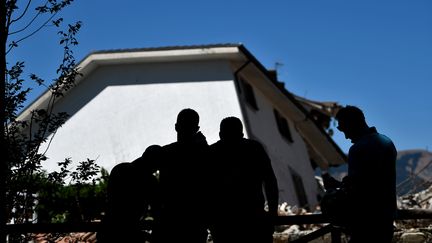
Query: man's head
(150, 157)
(152, 152)
(351, 121)
(187, 124)
(231, 128)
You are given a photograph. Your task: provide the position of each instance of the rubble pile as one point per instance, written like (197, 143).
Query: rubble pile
(421, 199)
(415, 230)
(287, 233)
(88, 237)
(407, 231)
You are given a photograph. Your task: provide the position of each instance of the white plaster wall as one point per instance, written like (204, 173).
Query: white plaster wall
(118, 111)
(282, 153)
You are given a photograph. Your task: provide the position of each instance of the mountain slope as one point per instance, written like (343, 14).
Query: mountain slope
(413, 171)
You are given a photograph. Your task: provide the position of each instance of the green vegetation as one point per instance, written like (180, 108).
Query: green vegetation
(27, 192)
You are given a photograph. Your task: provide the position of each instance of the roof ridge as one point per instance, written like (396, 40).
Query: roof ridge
(163, 48)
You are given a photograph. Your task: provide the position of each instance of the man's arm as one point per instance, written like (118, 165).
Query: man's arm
(330, 183)
(272, 193)
(270, 185)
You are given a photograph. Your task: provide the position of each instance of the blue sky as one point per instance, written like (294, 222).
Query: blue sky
(376, 54)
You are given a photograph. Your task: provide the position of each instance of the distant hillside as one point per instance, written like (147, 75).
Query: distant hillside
(413, 171)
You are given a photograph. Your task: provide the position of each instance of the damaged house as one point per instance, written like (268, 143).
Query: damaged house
(128, 99)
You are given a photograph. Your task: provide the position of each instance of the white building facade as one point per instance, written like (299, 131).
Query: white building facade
(127, 100)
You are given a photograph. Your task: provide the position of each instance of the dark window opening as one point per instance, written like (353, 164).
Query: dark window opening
(283, 126)
(249, 95)
(299, 189)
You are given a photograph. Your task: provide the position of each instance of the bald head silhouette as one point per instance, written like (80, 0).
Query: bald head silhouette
(231, 128)
(187, 124)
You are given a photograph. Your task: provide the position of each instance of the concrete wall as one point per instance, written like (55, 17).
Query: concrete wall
(286, 156)
(118, 111)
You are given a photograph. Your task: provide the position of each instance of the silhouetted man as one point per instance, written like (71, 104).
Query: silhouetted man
(132, 191)
(371, 180)
(182, 176)
(241, 168)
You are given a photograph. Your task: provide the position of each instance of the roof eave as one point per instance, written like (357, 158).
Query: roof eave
(126, 56)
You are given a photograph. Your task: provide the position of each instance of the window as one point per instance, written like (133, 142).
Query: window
(249, 94)
(283, 126)
(299, 188)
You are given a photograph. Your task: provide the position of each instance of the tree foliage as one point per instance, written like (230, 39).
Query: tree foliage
(81, 201)
(23, 180)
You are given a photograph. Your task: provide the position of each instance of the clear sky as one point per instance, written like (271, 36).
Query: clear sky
(375, 54)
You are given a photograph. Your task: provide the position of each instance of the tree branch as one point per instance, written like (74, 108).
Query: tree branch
(25, 27)
(29, 35)
(24, 12)
(31, 21)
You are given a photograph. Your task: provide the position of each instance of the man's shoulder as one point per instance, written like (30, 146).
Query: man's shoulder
(374, 141)
(121, 166)
(120, 169)
(243, 141)
(379, 136)
(252, 142)
(170, 145)
(384, 138)
(381, 139)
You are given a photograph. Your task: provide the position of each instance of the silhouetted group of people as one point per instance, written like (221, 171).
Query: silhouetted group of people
(199, 188)
(222, 188)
